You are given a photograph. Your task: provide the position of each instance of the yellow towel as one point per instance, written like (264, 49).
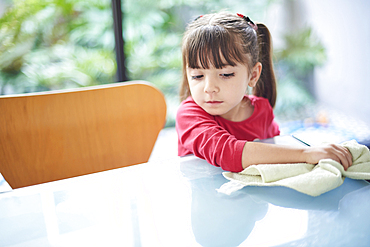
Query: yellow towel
(312, 180)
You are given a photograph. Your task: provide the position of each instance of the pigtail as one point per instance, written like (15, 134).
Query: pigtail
(266, 85)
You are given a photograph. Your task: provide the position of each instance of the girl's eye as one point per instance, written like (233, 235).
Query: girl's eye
(196, 77)
(228, 75)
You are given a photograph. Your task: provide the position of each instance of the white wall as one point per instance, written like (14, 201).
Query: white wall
(344, 28)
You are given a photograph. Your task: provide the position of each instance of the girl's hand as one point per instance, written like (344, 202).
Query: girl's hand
(332, 151)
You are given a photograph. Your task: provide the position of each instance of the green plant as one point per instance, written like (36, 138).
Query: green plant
(295, 65)
(303, 51)
(54, 44)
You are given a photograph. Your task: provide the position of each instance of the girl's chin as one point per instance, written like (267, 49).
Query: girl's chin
(214, 112)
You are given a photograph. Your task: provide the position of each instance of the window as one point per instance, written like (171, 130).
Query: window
(53, 44)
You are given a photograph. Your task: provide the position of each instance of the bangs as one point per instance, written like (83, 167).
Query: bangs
(212, 46)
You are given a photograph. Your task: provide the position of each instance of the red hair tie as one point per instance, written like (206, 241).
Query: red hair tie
(198, 17)
(249, 21)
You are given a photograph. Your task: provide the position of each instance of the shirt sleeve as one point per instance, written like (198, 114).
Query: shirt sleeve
(200, 134)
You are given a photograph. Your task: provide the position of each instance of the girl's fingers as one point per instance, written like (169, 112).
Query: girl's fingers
(344, 156)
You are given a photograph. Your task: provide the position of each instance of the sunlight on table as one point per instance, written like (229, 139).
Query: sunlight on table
(282, 224)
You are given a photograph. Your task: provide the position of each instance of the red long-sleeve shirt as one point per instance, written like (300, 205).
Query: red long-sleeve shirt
(221, 141)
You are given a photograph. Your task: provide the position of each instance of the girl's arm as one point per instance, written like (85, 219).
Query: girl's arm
(263, 153)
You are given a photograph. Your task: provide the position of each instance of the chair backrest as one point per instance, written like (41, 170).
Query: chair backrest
(61, 134)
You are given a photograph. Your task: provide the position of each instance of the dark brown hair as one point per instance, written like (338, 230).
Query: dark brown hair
(226, 39)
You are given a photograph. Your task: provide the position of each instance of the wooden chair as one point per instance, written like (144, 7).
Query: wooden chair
(61, 134)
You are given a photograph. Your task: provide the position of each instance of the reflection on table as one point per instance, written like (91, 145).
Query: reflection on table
(175, 203)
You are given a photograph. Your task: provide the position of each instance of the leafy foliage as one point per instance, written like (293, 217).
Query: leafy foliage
(303, 51)
(295, 65)
(55, 44)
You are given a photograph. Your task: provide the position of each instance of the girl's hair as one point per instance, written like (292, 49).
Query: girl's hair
(224, 39)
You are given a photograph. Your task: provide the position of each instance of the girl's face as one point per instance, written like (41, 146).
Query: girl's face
(221, 91)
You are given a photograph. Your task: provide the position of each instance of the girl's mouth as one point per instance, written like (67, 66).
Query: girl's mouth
(213, 102)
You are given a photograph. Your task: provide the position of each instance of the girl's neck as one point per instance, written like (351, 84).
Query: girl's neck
(241, 112)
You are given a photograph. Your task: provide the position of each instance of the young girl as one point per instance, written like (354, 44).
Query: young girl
(223, 55)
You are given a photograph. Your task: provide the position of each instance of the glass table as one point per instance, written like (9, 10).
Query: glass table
(175, 203)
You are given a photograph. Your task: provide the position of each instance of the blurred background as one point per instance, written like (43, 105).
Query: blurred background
(321, 53)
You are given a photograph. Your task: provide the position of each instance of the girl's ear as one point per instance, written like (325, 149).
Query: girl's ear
(255, 75)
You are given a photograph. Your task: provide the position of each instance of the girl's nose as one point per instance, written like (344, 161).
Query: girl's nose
(210, 86)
